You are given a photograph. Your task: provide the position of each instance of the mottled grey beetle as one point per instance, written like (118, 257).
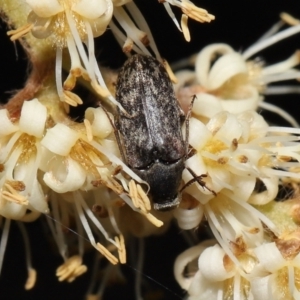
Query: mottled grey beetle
(152, 141)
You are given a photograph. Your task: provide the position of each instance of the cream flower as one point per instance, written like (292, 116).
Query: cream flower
(20, 159)
(217, 276)
(71, 24)
(282, 281)
(235, 153)
(229, 81)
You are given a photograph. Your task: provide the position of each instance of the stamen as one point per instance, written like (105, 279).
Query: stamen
(169, 71)
(121, 38)
(71, 269)
(144, 197)
(101, 91)
(31, 272)
(289, 19)
(18, 199)
(199, 14)
(141, 22)
(107, 254)
(285, 65)
(121, 250)
(130, 29)
(270, 41)
(71, 98)
(19, 32)
(58, 73)
(56, 229)
(80, 203)
(185, 28)
(30, 283)
(88, 129)
(3, 241)
(153, 220)
(279, 111)
(171, 14)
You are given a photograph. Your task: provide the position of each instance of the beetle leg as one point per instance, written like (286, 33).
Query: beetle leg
(197, 178)
(187, 123)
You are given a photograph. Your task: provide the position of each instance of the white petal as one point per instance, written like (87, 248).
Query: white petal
(225, 126)
(33, 118)
(101, 125)
(182, 261)
(204, 58)
(243, 186)
(258, 126)
(206, 105)
(260, 288)
(211, 264)
(111, 146)
(271, 184)
(91, 9)
(45, 8)
(60, 139)
(67, 177)
(220, 178)
(196, 164)
(225, 68)
(248, 100)
(203, 289)
(37, 199)
(7, 127)
(198, 134)
(270, 257)
(99, 25)
(13, 211)
(189, 218)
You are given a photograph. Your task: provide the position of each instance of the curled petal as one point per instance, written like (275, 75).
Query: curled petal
(198, 134)
(260, 287)
(203, 289)
(204, 58)
(207, 105)
(246, 98)
(66, 177)
(182, 261)
(7, 127)
(211, 264)
(225, 125)
(99, 25)
(42, 26)
(91, 9)
(258, 126)
(271, 184)
(101, 126)
(60, 139)
(37, 199)
(45, 8)
(225, 68)
(269, 257)
(12, 210)
(33, 118)
(189, 218)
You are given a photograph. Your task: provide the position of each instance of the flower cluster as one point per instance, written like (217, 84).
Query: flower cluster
(72, 172)
(236, 167)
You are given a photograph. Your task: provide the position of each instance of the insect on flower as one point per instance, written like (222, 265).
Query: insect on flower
(153, 145)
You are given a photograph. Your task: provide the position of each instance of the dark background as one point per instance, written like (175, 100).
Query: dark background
(238, 23)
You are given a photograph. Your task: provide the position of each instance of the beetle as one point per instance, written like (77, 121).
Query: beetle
(151, 137)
